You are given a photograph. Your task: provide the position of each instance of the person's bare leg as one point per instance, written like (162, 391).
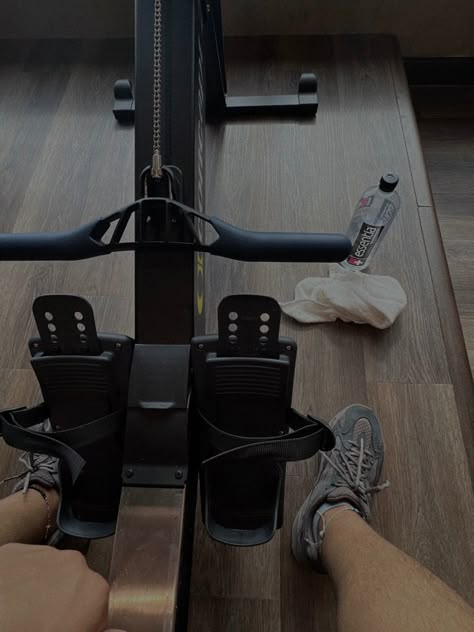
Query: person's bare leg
(23, 517)
(379, 588)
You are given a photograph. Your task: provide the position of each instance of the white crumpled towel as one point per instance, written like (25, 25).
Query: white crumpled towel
(355, 297)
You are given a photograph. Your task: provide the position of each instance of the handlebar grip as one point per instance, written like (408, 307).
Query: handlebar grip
(64, 246)
(247, 245)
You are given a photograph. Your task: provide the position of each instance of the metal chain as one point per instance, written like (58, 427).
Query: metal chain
(156, 166)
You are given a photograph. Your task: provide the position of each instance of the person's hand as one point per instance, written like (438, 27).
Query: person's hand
(46, 590)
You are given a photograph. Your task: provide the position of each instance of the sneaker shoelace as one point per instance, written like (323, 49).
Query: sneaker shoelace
(353, 467)
(33, 463)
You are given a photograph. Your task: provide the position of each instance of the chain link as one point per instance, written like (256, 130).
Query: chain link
(156, 167)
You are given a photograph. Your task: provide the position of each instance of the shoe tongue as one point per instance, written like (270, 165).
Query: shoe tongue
(345, 494)
(342, 493)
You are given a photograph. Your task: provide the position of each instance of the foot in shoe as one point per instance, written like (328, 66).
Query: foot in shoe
(40, 469)
(348, 477)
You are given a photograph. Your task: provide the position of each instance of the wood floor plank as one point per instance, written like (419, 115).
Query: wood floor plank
(465, 302)
(114, 314)
(443, 102)
(461, 378)
(86, 149)
(401, 255)
(429, 508)
(461, 264)
(446, 117)
(449, 150)
(252, 615)
(29, 104)
(455, 227)
(99, 555)
(410, 130)
(233, 572)
(468, 331)
(327, 351)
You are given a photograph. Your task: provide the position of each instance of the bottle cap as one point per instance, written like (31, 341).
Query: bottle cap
(388, 182)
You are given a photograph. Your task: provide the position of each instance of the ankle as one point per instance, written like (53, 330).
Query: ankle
(326, 514)
(329, 513)
(342, 532)
(330, 517)
(52, 495)
(50, 500)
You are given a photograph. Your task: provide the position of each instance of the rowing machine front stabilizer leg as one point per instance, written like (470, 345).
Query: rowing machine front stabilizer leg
(83, 377)
(243, 382)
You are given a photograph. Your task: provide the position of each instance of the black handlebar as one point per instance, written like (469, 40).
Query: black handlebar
(66, 246)
(232, 242)
(248, 245)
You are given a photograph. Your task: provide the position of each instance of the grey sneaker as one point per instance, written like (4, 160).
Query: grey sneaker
(39, 468)
(349, 473)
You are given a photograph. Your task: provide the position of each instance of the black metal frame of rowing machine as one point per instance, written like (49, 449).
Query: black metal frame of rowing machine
(151, 563)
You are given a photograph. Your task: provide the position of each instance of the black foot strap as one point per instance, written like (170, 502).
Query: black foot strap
(66, 445)
(242, 485)
(308, 437)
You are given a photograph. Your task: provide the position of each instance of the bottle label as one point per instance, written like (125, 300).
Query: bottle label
(386, 211)
(364, 244)
(365, 201)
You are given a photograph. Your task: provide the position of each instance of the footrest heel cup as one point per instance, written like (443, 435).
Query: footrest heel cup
(96, 520)
(234, 514)
(69, 524)
(239, 537)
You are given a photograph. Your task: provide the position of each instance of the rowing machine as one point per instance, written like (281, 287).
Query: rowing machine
(166, 394)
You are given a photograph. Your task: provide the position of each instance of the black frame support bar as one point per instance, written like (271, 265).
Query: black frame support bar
(302, 104)
(165, 282)
(159, 511)
(219, 103)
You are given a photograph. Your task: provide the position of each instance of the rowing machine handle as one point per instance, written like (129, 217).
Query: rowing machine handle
(246, 245)
(232, 242)
(66, 246)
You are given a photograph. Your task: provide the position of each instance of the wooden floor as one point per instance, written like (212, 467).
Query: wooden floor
(63, 160)
(446, 122)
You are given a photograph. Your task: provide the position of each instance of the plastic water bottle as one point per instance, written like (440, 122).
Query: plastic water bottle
(372, 218)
